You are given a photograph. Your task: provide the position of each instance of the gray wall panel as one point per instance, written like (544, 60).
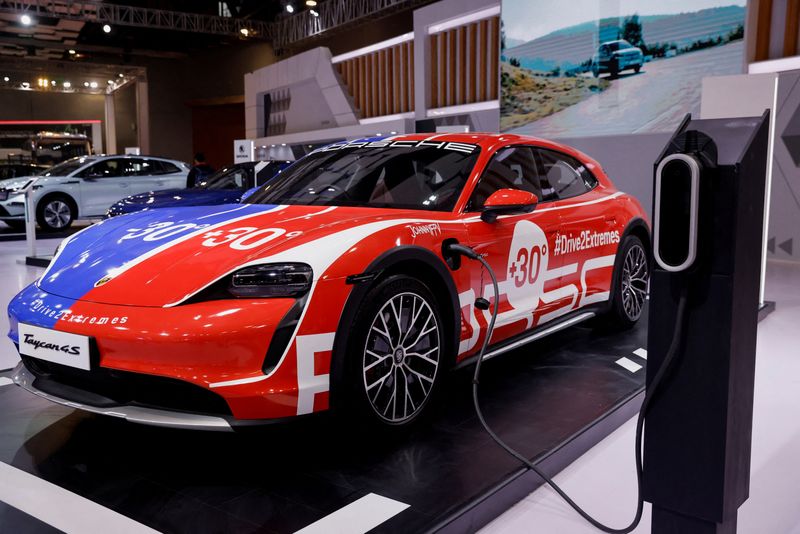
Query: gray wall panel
(627, 159)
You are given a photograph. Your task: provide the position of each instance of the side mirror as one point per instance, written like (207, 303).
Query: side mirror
(508, 202)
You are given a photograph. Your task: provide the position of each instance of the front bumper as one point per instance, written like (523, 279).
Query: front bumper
(24, 378)
(207, 358)
(12, 208)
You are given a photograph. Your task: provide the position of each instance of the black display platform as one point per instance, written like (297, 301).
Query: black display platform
(553, 399)
(765, 309)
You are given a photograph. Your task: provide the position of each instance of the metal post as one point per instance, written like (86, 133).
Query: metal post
(30, 221)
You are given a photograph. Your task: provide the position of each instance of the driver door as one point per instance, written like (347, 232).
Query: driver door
(102, 184)
(518, 247)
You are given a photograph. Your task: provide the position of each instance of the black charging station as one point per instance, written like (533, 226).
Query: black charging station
(707, 235)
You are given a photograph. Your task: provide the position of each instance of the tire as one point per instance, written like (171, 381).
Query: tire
(631, 278)
(637, 68)
(595, 72)
(390, 356)
(55, 213)
(613, 69)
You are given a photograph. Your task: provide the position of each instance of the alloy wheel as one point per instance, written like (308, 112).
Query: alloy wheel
(401, 357)
(634, 282)
(57, 214)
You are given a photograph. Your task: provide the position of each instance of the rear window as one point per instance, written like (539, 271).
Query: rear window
(163, 167)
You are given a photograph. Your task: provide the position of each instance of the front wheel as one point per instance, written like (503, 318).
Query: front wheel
(631, 278)
(396, 355)
(55, 213)
(637, 68)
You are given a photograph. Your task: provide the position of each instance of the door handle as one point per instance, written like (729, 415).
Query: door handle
(71, 182)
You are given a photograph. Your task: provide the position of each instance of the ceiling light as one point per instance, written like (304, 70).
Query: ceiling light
(72, 52)
(25, 85)
(311, 3)
(393, 133)
(67, 85)
(6, 79)
(106, 28)
(86, 84)
(289, 8)
(93, 85)
(121, 75)
(244, 31)
(313, 12)
(26, 20)
(52, 82)
(110, 82)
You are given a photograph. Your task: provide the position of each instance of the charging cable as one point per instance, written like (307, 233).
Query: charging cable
(668, 359)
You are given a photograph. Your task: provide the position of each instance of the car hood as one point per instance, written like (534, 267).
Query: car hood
(178, 197)
(163, 257)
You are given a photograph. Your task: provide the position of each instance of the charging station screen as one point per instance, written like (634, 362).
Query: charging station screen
(674, 227)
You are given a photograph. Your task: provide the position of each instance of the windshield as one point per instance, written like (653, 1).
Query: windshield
(619, 45)
(66, 167)
(425, 175)
(226, 178)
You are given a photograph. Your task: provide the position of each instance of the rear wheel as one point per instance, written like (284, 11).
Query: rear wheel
(55, 212)
(396, 353)
(631, 278)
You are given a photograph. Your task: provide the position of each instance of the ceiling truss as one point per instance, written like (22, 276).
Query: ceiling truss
(120, 15)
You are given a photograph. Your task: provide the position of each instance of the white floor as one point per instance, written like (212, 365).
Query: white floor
(15, 275)
(604, 481)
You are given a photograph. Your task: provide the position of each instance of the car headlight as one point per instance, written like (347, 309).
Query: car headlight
(271, 280)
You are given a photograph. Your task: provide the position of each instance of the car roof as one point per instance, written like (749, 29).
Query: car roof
(485, 140)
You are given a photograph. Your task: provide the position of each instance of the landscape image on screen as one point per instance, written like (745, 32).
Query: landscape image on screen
(603, 67)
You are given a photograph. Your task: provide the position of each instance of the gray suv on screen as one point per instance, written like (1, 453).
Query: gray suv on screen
(615, 56)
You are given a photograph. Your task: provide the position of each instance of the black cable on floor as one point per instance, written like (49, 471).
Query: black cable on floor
(668, 358)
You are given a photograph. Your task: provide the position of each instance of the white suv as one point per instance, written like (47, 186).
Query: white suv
(85, 187)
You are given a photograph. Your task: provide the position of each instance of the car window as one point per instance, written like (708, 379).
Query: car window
(567, 176)
(65, 168)
(139, 167)
(234, 178)
(269, 170)
(412, 174)
(164, 167)
(509, 168)
(107, 168)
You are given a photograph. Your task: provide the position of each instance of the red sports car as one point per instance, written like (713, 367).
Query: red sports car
(332, 285)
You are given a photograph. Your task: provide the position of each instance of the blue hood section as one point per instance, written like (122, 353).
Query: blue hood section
(97, 251)
(172, 198)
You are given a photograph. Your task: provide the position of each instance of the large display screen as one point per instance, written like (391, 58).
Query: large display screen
(603, 67)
